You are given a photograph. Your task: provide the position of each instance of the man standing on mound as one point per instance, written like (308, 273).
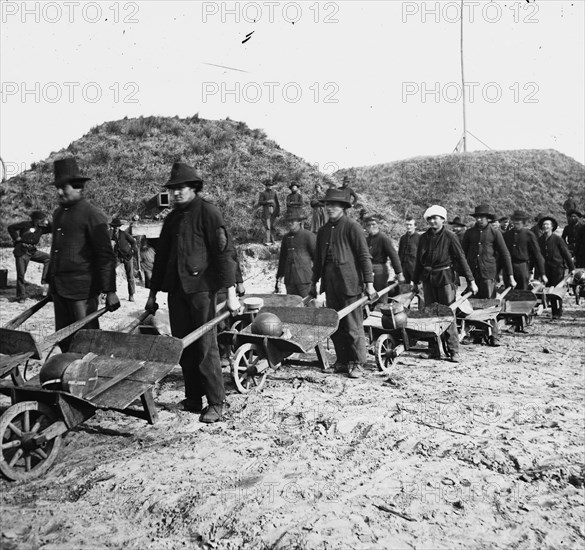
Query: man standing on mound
(343, 265)
(193, 261)
(438, 253)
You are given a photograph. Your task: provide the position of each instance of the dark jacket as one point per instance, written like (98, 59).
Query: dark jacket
(351, 194)
(125, 245)
(267, 199)
(294, 200)
(194, 250)
(407, 250)
(29, 233)
(580, 247)
(570, 232)
(382, 249)
(437, 255)
(523, 247)
(82, 264)
(297, 252)
(555, 252)
(349, 254)
(483, 249)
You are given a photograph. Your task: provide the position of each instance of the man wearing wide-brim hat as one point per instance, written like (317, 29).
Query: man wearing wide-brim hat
(571, 230)
(524, 249)
(438, 254)
(124, 250)
(194, 259)
(556, 257)
(485, 251)
(82, 264)
(344, 267)
(26, 236)
(268, 200)
(294, 199)
(297, 253)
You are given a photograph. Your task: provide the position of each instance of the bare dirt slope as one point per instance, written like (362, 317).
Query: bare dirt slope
(485, 454)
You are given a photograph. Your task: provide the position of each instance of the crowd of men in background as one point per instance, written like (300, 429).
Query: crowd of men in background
(195, 259)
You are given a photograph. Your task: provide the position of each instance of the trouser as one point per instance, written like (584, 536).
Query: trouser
(444, 295)
(22, 265)
(487, 291)
(299, 289)
(68, 311)
(555, 275)
(521, 273)
(407, 270)
(147, 275)
(200, 361)
(129, 269)
(381, 275)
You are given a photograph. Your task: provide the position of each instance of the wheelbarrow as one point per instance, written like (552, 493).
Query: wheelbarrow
(547, 294)
(427, 324)
(128, 365)
(479, 323)
(17, 347)
(519, 309)
(303, 330)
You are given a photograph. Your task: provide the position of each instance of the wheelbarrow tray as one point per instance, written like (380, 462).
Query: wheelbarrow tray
(483, 310)
(307, 327)
(16, 342)
(116, 352)
(432, 320)
(277, 300)
(519, 303)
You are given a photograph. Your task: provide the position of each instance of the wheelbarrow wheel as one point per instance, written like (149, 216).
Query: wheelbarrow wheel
(21, 457)
(384, 352)
(247, 363)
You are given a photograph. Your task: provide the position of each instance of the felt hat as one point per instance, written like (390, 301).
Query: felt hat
(520, 215)
(182, 174)
(337, 195)
(457, 221)
(549, 218)
(67, 171)
(574, 211)
(484, 210)
(116, 222)
(435, 210)
(38, 215)
(294, 214)
(372, 218)
(297, 185)
(268, 181)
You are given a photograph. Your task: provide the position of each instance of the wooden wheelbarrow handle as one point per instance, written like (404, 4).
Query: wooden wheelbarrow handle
(19, 319)
(364, 300)
(203, 329)
(463, 298)
(137, 322)
(69, 330)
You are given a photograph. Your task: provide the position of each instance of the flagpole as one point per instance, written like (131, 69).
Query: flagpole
(463, 86)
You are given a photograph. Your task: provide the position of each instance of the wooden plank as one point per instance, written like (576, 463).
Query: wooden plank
(123, 394)
(139, 347)
(19, 319)
(13, 342)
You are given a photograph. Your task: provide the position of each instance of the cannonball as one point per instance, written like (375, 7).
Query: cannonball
(267, 324)
(51, 375)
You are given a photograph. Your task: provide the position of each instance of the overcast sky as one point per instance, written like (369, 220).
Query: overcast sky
(338, 83)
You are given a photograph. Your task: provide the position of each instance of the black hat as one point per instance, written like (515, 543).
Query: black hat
(520, 215)
(345, 180)
(67, 171)
(457, 221)
(337, 195)
(38, 215)
(294, 214)
(298, 185)
(116, 222)
(551, 219)
(484, 210)
(574, 211)
(182, 174)
(371, 218)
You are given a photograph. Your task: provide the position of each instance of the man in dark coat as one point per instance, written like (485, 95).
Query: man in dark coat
(482, 244)
(382, 250)
(571, 230)
(124, 249)
(570, 205)
(556, 256)
(580, 247)
(193, 261)
(343, 265)
(351, 195)
(294, 199)
(437, 253)
(82, 262)
(268, 200)
(26, 236)
(297, 252)
(522, 245)
(459, 228)
(407, 249)
(505, 224)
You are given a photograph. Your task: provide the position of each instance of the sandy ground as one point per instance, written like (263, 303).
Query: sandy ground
(485, 454)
